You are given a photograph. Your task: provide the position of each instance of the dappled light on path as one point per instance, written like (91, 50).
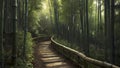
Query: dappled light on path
(48, 58)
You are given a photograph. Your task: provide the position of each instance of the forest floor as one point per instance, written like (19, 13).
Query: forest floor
(45, 57)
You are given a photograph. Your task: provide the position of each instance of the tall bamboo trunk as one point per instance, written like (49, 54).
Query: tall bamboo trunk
(109, 31)
(1, 34)
(112, 30)
(14, 21)
(25, 28)
(56, 16)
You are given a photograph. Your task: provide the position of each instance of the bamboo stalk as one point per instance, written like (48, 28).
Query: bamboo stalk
(1, 33)
(14, 21)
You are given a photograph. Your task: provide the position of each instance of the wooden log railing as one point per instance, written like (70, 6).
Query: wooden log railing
(79, 58)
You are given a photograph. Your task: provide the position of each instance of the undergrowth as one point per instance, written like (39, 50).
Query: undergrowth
(26, 62)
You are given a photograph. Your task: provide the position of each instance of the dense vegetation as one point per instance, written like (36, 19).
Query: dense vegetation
(89, 26)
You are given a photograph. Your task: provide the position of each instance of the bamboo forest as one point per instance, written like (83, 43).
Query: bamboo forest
(59, 33)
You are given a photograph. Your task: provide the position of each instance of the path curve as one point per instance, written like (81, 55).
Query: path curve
(45, 57)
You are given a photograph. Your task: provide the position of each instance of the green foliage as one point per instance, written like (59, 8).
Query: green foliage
(33, 19)
(39, 17)
(66, 43)
(24, 63)
(29, 47)
(34, 14)
(45, 25)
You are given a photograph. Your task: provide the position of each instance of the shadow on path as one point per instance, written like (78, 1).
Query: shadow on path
(45, 57)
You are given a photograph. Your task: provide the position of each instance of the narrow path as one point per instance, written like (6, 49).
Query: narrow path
(45, 57)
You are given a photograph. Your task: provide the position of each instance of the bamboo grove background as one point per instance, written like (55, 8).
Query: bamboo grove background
(89, 26)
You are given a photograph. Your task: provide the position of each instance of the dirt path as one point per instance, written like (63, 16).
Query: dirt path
(47, 58)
